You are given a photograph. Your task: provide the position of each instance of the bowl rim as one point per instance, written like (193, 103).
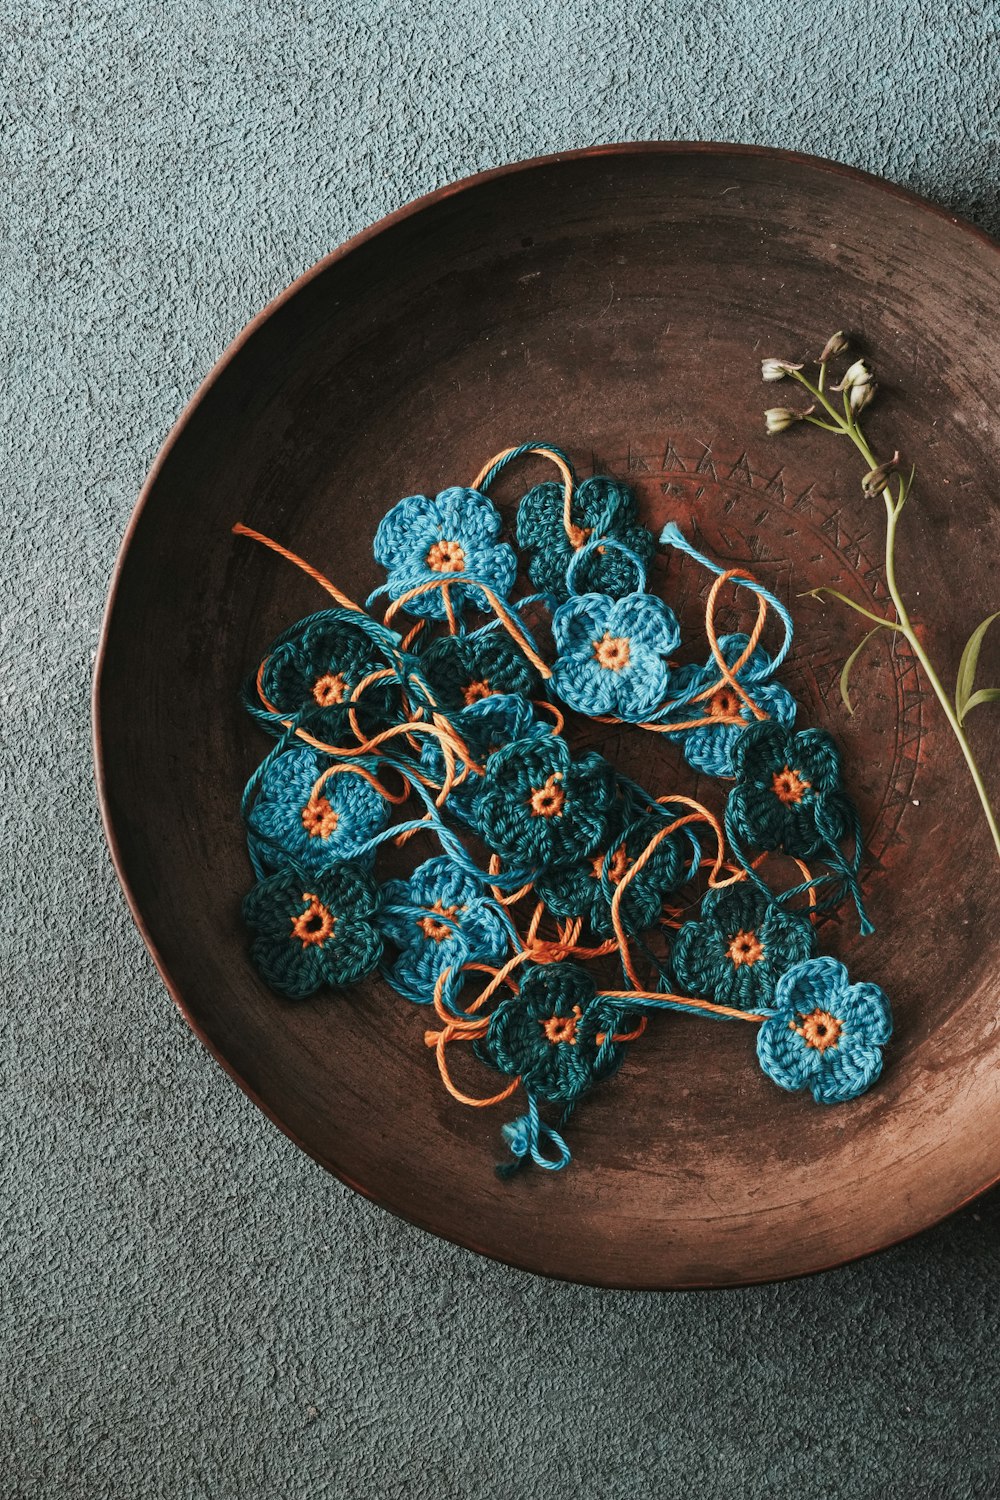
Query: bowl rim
(408, 210)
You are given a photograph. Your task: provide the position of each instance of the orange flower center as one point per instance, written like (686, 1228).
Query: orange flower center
(475, 691)
(612, 652)
(547, 801)
(446, 557)
(562, 1028)
(789, 786)
(745, 948)
(617, 865)
(318, 818)
(437, 931)
(313, 926)
(329, 689)
(577, 535)
(819, 1029)
(724, 703)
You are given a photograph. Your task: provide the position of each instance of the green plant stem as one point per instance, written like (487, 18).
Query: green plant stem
(893, 507)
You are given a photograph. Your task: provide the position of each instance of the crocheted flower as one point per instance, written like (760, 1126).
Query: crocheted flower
(439, 919)
(554, 1033)
(486, 726)
(587, 889)
(424, 539)
(462, 669)
(600, 508)
(289, 823)
(539, 808)
(611, 653)
(709, 749)
(320, 933)
(826, 1034)
(739, 946)
(311, 671)
(788, 790)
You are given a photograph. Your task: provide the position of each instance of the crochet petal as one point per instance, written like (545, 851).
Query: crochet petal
(756, 815)
(640, 687)
(581, 621)
(864, 1009)
(784, 1055)
(816, 753)
(846, 1073)
(287, 968)
(815, 984)
(647, 621)
(583, 684)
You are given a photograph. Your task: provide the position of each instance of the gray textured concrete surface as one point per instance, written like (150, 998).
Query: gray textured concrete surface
(190, 1309)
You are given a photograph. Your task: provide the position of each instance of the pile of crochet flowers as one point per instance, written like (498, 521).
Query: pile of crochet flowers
(561, 904)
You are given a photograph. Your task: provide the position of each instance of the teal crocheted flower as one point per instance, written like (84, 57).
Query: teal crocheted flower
(600, 508)
(826, 1034)
(311, 671)
(788, 791)
(555, 1034)
(433, 539)
(462, 669)
(612, 654)
(709, 748)
(290, 824)
(439, 919)
(312, 934)
(587, 889)
(539, 808)
(485, 726)
(739, 946)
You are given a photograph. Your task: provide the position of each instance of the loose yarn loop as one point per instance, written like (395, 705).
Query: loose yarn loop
(583, 868)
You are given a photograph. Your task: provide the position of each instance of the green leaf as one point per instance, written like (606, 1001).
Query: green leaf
(849, 663)
(984, 695)
(967, 666)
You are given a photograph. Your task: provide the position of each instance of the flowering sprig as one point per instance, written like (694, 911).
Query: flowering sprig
(857, 389)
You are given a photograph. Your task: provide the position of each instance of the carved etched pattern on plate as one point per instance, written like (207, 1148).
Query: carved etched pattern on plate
(792, 537)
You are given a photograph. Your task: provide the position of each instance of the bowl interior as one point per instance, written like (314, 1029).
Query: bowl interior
(615, 303)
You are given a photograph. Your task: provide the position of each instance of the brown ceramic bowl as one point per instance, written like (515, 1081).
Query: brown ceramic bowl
(616, 302)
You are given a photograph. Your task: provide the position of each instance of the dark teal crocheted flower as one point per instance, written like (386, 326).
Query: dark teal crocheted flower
(709, 748)
(600, 508)
(587, 889)
(788, 792)
(441, 918)
(555, 1034)
(311, 671)
(739, 946)
(314, 932)
(462, 669)
(485, 727)
(826, 1034)
(612, 654)
(539, 808)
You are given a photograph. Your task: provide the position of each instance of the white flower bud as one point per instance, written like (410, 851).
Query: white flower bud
(859, 374)
(876, 479)
(860, 395)
(776, 369)
(835, 344)
(779, 418)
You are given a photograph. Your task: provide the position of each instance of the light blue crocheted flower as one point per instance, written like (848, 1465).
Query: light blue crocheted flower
(425, 539)
(611, 653)
(289, 824)
(709, 748)
(439, 919)
(826, 1034)
(485, 727)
